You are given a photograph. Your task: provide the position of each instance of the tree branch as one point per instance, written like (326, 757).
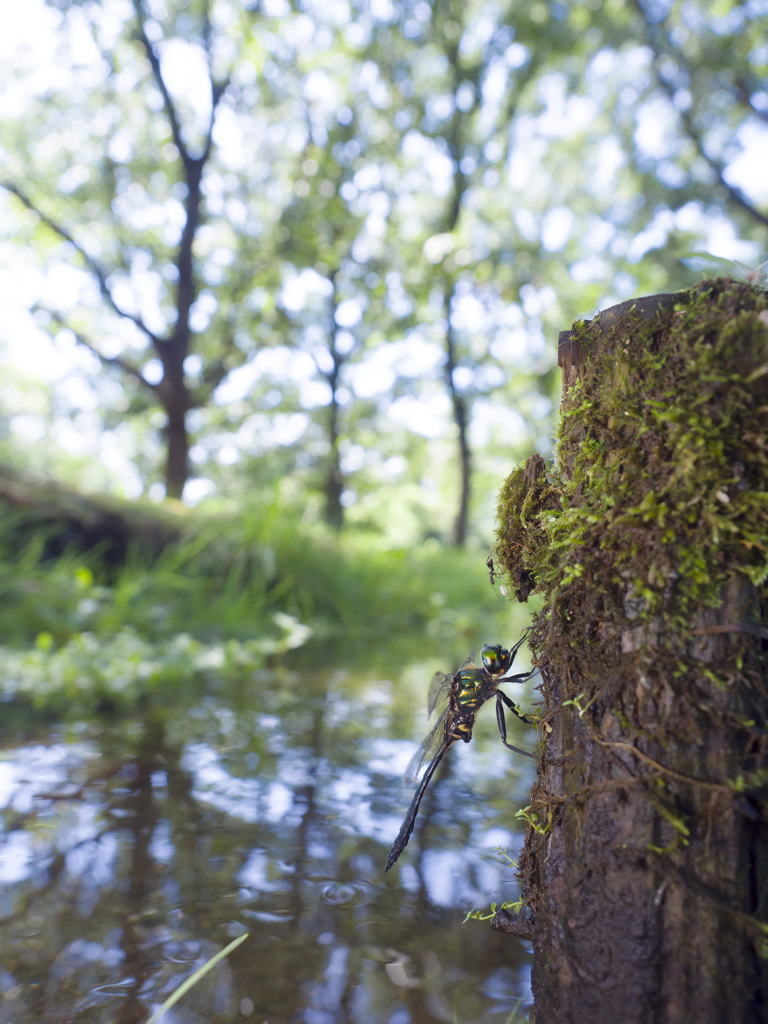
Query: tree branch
(193, 171)
(653, 34)
(214, 374)
(123, 364)
(96, 269)
(217, 88)
(745, 90)
(217, 91)
(157, 74)
(717, 167)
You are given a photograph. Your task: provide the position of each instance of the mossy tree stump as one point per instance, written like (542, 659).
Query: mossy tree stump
(647, 543)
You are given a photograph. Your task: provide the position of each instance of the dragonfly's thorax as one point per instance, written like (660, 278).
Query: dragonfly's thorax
(469, 687)
(472, 687)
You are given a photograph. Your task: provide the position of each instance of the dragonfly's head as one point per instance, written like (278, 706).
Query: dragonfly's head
(496, 659)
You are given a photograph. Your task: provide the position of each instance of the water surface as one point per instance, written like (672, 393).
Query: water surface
(135, 846)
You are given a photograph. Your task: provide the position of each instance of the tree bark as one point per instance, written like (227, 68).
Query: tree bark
(459, 404)
(460, 419)
(334, 477)
(177, 444)
(334, 481)
(646, 879)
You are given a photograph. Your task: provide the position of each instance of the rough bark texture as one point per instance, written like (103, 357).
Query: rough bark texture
(647, 877)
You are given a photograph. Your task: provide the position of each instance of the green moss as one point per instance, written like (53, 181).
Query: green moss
(665, 431)
(657, 503)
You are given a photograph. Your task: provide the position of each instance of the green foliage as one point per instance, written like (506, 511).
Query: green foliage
(230, 597)
(481, 915)
(374, 178)
(515, 906)
(576, 702)
(532, 819)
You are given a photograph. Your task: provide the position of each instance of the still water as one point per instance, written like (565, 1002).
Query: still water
(136, 846)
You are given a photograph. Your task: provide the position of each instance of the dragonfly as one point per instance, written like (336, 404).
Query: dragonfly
(465, 691)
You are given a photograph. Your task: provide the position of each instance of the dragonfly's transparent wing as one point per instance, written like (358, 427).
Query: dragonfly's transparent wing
(469, 661)
(439, 690)
(440, 687)
(428, 749)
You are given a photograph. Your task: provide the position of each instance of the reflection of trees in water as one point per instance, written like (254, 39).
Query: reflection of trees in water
(147, 870)
(100, 906)
(141, 814)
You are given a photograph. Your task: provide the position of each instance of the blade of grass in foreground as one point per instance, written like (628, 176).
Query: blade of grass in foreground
(193, 979)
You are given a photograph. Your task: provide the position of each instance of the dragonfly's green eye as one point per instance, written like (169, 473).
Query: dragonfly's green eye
(495, 659)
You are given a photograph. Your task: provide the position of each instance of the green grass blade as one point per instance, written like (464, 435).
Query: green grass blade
(193, 979)
(513, 1016)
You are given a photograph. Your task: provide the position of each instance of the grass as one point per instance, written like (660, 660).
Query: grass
(193, 979)
(229, 596)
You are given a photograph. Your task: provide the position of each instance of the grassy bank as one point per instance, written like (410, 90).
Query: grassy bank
(227, 596)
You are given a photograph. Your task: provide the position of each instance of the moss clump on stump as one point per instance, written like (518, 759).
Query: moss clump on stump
(649, 549)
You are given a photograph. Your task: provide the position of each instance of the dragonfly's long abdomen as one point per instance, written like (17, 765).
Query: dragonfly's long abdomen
(407, 827)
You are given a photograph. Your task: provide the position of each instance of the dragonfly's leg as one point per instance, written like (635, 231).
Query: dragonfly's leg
(517, 646)
(520, 677)
(514, 709)
(502, 722)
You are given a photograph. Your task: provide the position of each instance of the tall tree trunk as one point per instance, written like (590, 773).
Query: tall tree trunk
(173, 351)
(455, 143)
(174, 394)
(460, 419)
(334, 481)
(647, 876)
(177, 450)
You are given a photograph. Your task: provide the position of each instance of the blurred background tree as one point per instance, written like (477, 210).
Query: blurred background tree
(325, 250)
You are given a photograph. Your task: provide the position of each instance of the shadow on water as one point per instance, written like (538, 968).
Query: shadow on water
(134, 848)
